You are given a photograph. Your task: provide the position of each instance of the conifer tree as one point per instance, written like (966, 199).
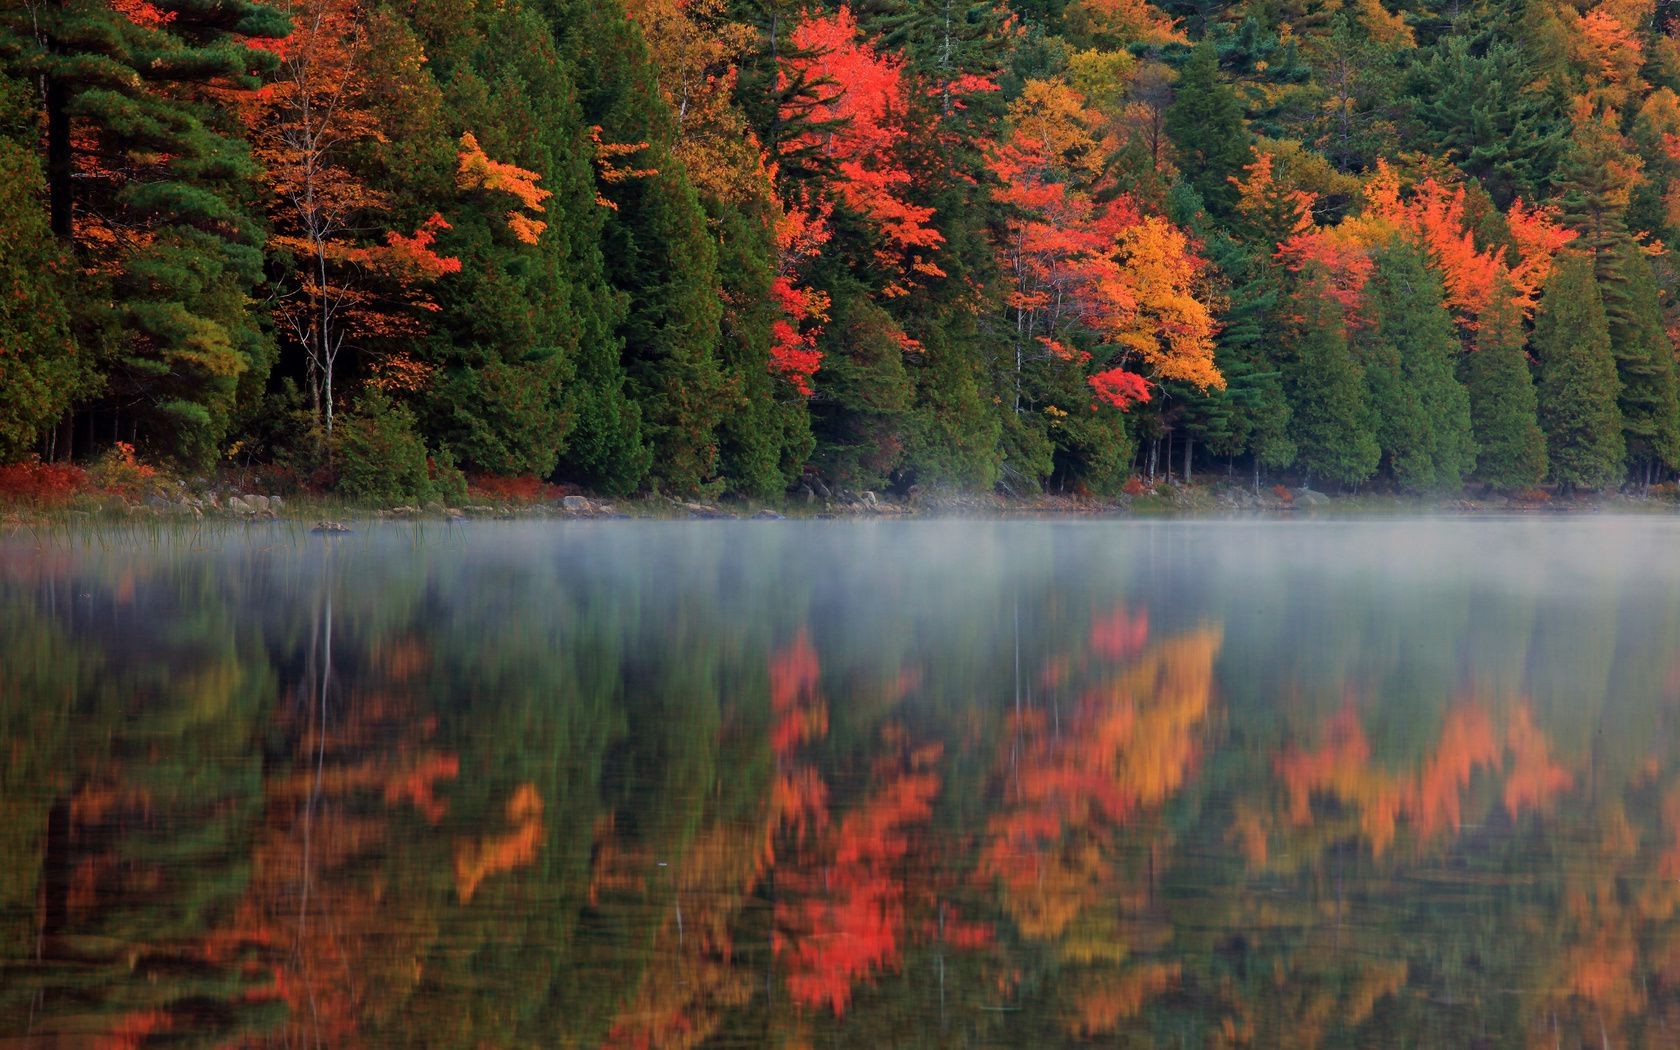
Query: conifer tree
(1331, 423)
(1645, 368)
(41, 367)
(1205, 123)
(1578, 385)
(1510, 447)
(1422, 411)
(152, 193)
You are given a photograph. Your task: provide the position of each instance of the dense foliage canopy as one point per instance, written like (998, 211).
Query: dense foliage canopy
(718, 245)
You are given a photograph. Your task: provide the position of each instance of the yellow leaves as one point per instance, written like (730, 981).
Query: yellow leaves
(1156, 310)
(477, 171)
(1055, 115)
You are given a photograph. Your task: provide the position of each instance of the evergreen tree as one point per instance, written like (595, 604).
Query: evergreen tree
(153, 193)
(1407, 349)
(512, 323)
(41, 367)
(1330, 423)
(657, 248)
(1474, 101)
(1578, 386)
(1510, 447)
(861, 412)
(1205, 123)
(1644, 366)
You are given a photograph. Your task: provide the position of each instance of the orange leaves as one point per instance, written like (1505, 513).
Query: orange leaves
(143, 13)
(477, 171)
(1430, 215)
(1119, 388)
(1431, 799)
(608, 166)
(1130, 280)
(477, 861)
(799, 236)
(412, 258)
(1607, 46)
(840, 912)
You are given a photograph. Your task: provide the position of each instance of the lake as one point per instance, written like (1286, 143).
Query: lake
(1176, 784)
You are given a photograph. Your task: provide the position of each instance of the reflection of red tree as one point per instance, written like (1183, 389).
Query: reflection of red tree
(840, 908)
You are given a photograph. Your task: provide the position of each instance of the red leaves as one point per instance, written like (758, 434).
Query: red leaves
(865, 107)
(1119, 388)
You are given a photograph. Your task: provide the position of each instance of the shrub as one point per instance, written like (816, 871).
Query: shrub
(120, 473)
(378, 453)
(42, 484)
(448, 483)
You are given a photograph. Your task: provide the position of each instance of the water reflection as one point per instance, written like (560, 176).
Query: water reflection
(682, 785)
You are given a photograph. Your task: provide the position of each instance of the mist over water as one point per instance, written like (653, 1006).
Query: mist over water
(1318, 783)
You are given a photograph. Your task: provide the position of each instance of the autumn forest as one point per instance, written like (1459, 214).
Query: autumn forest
(729, 247)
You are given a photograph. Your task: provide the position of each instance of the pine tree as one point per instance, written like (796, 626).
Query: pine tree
(1504, 414)
(1422, 411)
(1475, 103)
(1331, 424)
(1205, 123)
(861, 413)
(1578, 385)
(153, 194)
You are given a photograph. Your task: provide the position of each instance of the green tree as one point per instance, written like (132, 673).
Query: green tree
(153, 192)
(1645, 367)
(1330, 421)
(1205, 123)
(862, 408)
(1504, 414)
(1422, 411)
(1578, 385)
(41, 368)
(1476, 103)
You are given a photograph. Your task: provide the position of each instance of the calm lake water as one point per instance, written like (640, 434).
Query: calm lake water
(843, 784)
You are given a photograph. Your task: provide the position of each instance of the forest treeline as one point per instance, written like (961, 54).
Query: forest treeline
(715, 245)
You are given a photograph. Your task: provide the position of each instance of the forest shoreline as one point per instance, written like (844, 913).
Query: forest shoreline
(1207, 501)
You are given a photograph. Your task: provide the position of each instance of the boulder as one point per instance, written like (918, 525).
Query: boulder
(331, 528)
(767, 515)
(576, 505)
(259, 502)
(238, 505)
(1306, 497)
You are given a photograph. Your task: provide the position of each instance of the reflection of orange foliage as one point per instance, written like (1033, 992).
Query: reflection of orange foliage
(135, 1030)
(417, 784)
(474, 862)
(1111, 998)
(1535, 779)
(1132, 743)
(1432, 798)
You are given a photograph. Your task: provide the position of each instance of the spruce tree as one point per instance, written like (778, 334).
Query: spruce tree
(1331, 424)
(1422, 411)
(1205, 123)
(1578, 385)
(1504, 414)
